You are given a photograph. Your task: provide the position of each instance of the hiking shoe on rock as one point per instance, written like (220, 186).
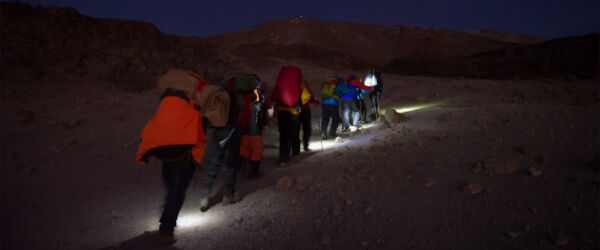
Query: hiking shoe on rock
(345, 130)
(204, 204)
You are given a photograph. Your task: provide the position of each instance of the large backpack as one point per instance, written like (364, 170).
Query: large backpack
(327, 88)
(214, 102)
(286, 91)
(239, 84)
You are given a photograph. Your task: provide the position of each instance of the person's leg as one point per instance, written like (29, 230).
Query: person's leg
(355, 113)
(178, 177)
(233, 161)
(169, 175)
(306, 128)
(335, 120)
(325, 119)
(363, 110)
(212, 157)
(295, 125)
(346, 110)
(283, 124)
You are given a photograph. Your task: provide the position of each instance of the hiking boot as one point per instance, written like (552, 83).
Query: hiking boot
(306, 149)
(228, 200)
(345, 130)
(163, 239)
(324, 135)
(204, 204)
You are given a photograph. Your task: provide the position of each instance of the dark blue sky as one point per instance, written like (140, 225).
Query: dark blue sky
(542, 18)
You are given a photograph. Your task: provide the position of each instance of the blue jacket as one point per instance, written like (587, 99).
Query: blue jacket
(344, 91)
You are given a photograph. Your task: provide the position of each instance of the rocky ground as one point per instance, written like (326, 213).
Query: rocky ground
(491, 165)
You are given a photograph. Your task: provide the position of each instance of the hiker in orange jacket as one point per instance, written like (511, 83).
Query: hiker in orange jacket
(175, 136)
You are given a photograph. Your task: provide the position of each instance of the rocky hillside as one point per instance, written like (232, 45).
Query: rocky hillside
(353, 44)
(569, 57)
(60, 45)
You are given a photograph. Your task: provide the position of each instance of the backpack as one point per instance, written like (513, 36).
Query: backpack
(239, 84)
(370, 79)
(286, 92)
(214, 104)
(327, 88)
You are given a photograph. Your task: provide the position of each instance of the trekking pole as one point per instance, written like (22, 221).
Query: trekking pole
(362, 130)
(321, 136)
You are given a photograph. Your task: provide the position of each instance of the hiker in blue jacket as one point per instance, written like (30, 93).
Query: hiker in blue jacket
(330, 106)
(349, 105)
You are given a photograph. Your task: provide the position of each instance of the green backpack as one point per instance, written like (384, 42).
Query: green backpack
(327, 88)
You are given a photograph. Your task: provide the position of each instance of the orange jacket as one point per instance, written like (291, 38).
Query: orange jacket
(176, 122)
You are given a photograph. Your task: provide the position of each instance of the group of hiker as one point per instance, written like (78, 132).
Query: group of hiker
(201, 124)
(351, 96)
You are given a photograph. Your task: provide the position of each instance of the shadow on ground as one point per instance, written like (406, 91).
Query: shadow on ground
(147, 240)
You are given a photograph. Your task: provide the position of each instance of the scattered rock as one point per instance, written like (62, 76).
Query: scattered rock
(337, 210)
(523, 150)
(473, 188)
(429, 182)
(338, 140)
(284, 183)
(512, 234)
(25, 117)
(561, 240)
(325, 239)
(71, 123)
(70, 140)
(303, 181)
(535, 171)
(500, 166)
(394, 117)
(367, 168)
(542, 159)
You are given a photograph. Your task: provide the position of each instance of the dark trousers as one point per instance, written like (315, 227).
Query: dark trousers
(176, 177)
(306, 128)
(218, 142)
(330, 111)
(374, 104)
(349, 111)
(363, 110)
(288, 130)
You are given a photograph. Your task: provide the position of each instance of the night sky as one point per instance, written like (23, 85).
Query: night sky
(541, 18)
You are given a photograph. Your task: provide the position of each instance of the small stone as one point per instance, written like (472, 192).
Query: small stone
(473, 188)
(70, 140)
(535, 171)
(429, 183)
(561, 240)
(364, 243)
(325, 239)
(512, 234)
(284, 183)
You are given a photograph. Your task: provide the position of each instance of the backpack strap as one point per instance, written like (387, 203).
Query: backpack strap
(175, 93)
